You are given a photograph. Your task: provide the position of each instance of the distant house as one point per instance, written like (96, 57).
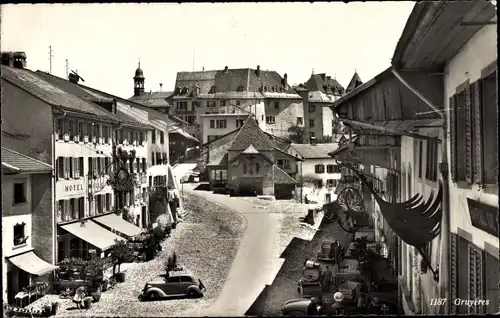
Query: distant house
(318, 173)
(249, 161)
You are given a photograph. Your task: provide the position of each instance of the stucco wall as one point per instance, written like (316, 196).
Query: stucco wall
(235, 172)
(230, 125)
(467, 64)
(285, 116)
(34, 136)
(42, 216)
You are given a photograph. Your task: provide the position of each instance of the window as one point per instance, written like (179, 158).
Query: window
(332, 169)
(108, 201)
(106, 133)
(153, 138)
(143, 165)
(257, 167)
(190, 119)
(162, 137)
(270, 119)
(420, 157)
(283, 163)
(311, 122)
(100, 206)
(221, 123)
(223, 103)
(318, 183)
(19, 234)
(473, 131)
(431, 162)
(59, 129)
(97, 133)
(300, 121)
(244, 168)
(331, 183)
(212, 123)
(19, 192)
(182, 105)
(312, 108)
(276, 105)
(319, 169)
(311, 134)
(211, 103)
(238, 103)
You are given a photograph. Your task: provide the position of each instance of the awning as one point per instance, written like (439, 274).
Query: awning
(93, 233)
(117, 223)
(32, 264)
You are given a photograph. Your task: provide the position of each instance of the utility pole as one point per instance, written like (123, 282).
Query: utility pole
(50, 59)
(67, 68)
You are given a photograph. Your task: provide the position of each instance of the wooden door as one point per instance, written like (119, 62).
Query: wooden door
(462, 273)
(11, 290)
(492, 279)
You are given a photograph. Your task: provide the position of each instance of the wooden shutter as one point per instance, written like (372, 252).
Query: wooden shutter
(475, 278)
(94, 165)
(453, 137)
(477, 133)
(453, 271)
(468, 136)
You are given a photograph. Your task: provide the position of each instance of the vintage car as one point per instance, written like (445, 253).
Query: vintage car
(297, 307)
(176, 283)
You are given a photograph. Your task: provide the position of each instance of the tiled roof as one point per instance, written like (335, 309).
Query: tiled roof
(316, 151)
(229, 81)
(251, 134)
(219, 161)
(154, 99)
(320, 97)
(355, 82)
(183, 134)
(324, 84)
(34, 84)
(88, 96)
(21, 163)
(281, 177)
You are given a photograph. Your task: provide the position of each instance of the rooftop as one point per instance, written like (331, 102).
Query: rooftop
(36, 85)
(315, 151)
(324, 84)
(355, 82)
(154, 99)
(15, 162)
(251, 134)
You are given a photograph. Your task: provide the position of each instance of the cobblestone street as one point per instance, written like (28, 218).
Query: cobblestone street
(205, 243)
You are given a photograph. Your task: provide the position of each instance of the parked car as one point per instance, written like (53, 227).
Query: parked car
(175, 284)
(297, 307)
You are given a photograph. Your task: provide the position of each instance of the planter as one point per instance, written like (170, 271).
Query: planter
(120, 277)
(88, 302)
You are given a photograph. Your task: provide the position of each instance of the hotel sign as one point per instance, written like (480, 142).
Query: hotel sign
(73, 187)
(484, 217)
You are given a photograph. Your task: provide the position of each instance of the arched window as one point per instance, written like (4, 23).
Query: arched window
(257, 168)
(244, 168)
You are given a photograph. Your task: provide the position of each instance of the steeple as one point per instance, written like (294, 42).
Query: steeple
(355, 82)
(139, 81)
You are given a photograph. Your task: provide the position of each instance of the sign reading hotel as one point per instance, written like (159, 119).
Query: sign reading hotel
(73, 188)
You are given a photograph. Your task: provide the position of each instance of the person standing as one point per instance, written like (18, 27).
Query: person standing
(327, 279)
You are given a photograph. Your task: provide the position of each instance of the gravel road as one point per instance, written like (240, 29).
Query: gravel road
(205, 243)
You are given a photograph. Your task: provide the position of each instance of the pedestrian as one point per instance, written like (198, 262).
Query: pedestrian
(327, 279)
(79, 297)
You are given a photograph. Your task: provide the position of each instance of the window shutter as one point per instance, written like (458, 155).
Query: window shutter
(81, 204)
(468, 136)
(453, 271)
(477, 146)
(475, 278)
(58, 165)
(453, 138)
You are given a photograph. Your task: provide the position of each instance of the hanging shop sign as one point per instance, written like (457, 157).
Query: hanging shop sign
(484, 217)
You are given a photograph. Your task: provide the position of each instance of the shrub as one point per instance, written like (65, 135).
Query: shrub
(120, 253)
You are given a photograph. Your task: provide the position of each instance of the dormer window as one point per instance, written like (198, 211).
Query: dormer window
(177, 90)
(184, 90)
(240, 88)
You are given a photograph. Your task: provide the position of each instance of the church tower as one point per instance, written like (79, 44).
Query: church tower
(138, 81)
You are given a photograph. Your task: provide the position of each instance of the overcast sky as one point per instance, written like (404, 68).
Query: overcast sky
(105, 41)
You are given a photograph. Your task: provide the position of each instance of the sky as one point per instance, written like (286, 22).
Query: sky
(104, 42)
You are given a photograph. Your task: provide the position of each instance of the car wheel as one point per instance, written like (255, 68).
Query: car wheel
(193, 294)
(153, 296)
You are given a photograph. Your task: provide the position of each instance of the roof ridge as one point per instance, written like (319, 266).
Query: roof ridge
(26, 156)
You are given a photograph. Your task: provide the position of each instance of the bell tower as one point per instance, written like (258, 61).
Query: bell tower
(138, 81)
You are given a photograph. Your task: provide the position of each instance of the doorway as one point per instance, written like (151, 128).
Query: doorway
(144, 217)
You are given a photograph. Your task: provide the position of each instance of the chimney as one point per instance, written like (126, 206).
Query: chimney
(285, 78)
(14, 59)
(73, 78)
(161, 85)
(226, 69)
(257, 72)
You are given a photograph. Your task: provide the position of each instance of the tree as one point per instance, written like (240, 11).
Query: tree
(120, 253)
(296, 134)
